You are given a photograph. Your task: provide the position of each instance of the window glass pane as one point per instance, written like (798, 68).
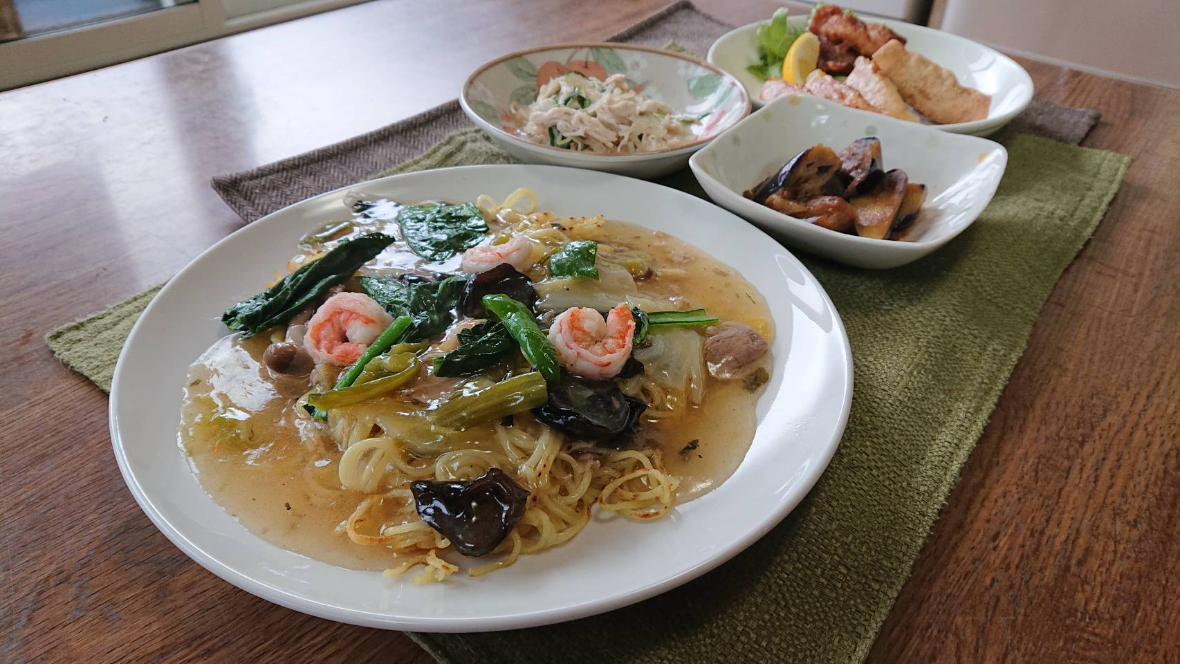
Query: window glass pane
(28, 18)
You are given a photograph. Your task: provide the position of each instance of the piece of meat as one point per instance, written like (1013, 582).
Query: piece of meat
(776, 87)
(842, 37)
(731, 348)
(932, 90)
(823, 85)
(879, 91)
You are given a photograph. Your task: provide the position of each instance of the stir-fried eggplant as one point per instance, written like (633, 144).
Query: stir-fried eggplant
(845, 192)
(591, 410)
(475, 515)
(813, 172)
(862, 165)
(877, 210)
(915, 195)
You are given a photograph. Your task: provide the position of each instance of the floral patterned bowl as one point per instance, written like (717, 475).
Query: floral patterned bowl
(687, 85)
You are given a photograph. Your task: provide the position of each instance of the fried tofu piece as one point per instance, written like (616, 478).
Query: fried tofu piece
(823, 85)
(843, 37)
(776, 87)
(932, 90)
(879, 91)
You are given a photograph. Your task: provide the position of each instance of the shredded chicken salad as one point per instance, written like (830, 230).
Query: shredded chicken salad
(583, 114)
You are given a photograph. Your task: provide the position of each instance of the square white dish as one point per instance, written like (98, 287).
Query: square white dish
(961, 174)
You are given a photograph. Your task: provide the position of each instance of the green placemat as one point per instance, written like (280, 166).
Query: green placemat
(933, 344)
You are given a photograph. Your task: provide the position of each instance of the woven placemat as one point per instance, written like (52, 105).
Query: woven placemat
(933, 344)
(258, 192)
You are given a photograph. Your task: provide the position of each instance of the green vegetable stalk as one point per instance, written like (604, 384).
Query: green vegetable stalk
(508, 397)
(294, 292)
(390, 336)
(370, 389)
(644, 321)
(520, 324)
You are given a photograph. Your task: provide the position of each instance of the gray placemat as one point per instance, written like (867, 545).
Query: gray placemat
(260, 191)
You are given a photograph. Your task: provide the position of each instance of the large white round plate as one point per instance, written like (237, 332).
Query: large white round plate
(975, 65)
(613, 562)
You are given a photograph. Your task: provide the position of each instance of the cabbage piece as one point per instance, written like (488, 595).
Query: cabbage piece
(674, 358)
(614, 286)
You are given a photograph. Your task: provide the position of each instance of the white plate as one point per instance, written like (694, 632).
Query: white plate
(687, 85)
(961, 174)
(613, 562)
(975, 65)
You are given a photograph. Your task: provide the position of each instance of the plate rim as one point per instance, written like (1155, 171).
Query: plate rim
(463, 624)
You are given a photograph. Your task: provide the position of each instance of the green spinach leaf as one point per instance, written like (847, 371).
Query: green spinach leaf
(479, 348)
(437, 232)
(430, 304)
(279, 303)
(575, 259)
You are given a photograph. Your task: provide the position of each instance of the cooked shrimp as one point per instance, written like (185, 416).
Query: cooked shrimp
(517, 252)
(592, 347)
(343, 327)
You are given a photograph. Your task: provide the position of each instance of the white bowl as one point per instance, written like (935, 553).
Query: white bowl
(614, 561)
(961, 174)
(974, 64)
(683, 82)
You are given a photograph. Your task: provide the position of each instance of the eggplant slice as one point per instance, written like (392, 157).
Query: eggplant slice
(831, 212)
(862, 165)
(877, 212)
(915, 196)
(813, 172)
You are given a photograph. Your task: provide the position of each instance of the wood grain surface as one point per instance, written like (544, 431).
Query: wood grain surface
(1058, 544)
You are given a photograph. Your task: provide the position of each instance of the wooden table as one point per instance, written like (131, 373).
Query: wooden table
(1059, 543)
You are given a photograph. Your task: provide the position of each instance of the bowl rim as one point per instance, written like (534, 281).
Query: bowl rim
(988, 124)
(993, 147)
(747, 104)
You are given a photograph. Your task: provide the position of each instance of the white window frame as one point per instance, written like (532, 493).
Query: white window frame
(53, 55)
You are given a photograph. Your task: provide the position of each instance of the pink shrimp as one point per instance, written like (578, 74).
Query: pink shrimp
(517, 252)
(592, 347)
(343, 327)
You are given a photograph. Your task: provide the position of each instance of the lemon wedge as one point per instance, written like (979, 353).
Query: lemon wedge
(801, 59)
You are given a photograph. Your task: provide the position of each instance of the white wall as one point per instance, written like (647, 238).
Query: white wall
(1138, 39)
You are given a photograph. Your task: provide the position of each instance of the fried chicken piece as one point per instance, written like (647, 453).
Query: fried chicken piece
(932, 90)
(842, 37)
(776, 87)
(879, 91)
(823, 85)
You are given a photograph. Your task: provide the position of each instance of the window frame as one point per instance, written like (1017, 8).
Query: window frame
(56, 54)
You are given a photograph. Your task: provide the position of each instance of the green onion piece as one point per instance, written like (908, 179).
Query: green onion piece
(508, 397)
(395, 361)
(520, 324)
(368, 390)
(694, 318)
(391, 335)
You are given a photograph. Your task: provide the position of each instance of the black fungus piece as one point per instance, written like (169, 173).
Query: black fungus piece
(591, 410)
(476, 515)
(500, 280)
